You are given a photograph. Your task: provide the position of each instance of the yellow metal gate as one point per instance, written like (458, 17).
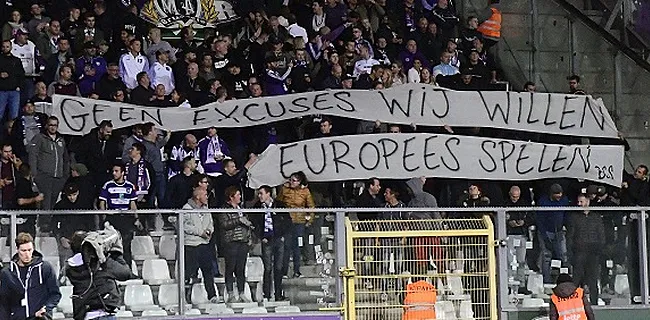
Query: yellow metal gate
(456, 256)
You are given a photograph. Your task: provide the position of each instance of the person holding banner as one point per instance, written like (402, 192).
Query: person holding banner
(212, 151)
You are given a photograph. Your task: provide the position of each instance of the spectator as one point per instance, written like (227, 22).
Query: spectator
(47, 40)
(411, 54)
(295, 30)
(15, 23)
(422, 199)
(275, 82)
(42, 295)
(38, 22)
(110, 82)
(444, 15)
(142, 94)
(161, 73)
(180, 185)
(199, 229)
(12, 75)
(586, 238)
(50, 162)
(140, 173)
(469, 34)
(319, 17)
(296, 194)
(120, 194)
(517, 221)
(365, 64)
(432, 43)
(189, 148)
(71, 23)
(366, 81)
(192, 86)
(550, 229)
(90, 59)
(272, 228)
(88, 32)
(26, 127)
(9, 165)
(335, 13)
(27, 197)
(231, 177)
(212, 151)
(574, 85)
(153, 143)
(569, 300)
(530, 87)
(473, 198)
(444, 72)
(491, 28)
(65, 225)
(370, 199)
(98, 152)
(63, 56)
(236, 230)
(40, 96)
(157, 44)
(88, 190)
(132, 63)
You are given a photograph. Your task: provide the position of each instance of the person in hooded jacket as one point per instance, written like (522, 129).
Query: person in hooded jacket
(94, 270)
(28, 287)
(424, 247)
(568, 297)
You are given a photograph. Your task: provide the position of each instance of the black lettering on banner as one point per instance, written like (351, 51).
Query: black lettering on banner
(448, 147)
(541, 160)
(98, 109)
(505, 156)
(558, 158)
(548, 110)
(565, 112)
(362, 159)
(196, 119)
(428, 154)
(480, 161)
(447, 106)
(601, 123)
(586, 159)
(228, 115)
(245, 113)
(605, 172)
(521, 107)
(124, 111)
(394, 103)
(385, 154)
(492, 113)
(339, 96)
(64, 114)
(283, 110)
(530, 110)
(424, 100)
(157, 118)
(323, 157)
(317, 100)
(407, 155)
(284, 162)
(521, 157)
(337, 156)
(295, 101)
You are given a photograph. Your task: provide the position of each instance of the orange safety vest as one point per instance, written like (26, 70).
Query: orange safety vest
(491, 28)
(571, 307)
(420, 301)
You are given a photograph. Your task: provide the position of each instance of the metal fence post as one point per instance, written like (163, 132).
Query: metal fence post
(643, 256)
(13, 227)
(181, 263)
(502, 264)
(339, 226)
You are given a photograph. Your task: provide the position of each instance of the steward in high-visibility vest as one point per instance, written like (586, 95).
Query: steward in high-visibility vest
(491, 28)
(420, 301)
(569, 302)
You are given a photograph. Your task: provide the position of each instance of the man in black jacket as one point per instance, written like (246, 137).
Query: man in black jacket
(98, 151)
(272, 228)
(94, 271)
(370, 199)
(12, 76)
(179, 189)
(110, 82)
(142, 94)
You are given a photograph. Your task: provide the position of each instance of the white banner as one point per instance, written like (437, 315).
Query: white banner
(406, 104)
(407, 155)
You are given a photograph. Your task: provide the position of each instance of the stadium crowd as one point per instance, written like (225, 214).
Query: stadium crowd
(103, 50)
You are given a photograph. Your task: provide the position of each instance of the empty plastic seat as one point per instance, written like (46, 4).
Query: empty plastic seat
(254, 269)
(139, 298)
(465, 310)
(619, 301)
(124, 314)
(455, 284)
(193, 312)
(154, 313)
(533, 303)
(220, 311)
(535, 283)
(167, 247)
(445, 310)
(621, 284)
(254, 310)
(142, 248)
(168, 295)
(156, 272)
(288, 309)
(47, 246)
(199, 296)
(65, 304)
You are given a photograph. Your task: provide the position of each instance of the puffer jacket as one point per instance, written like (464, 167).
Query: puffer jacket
(232, 229)
(297, 198)
(197, 224)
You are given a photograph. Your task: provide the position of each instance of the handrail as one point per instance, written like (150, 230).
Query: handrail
(591, 24)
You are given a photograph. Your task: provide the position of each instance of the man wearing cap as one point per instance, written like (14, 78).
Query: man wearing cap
(90, 60)
(161, 73)
(569, 301)
(550, 229)
(26, 51)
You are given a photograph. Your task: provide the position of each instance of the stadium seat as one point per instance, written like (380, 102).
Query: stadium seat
(247, 292)
(220, 311)
(154, 313)
(167, 247)
(193, 312)
(455, 284)
(124, 314)
(254, 269)
(156, 272)
(168, 295)
(65, 304)
(139, 298)
(535, 284)
(55, 263)
(288, 309)
(142, 248)
(465, 311)
(58, 316)
(199, 296)
(47, 246)
(254, 310)
(445, 310)
(621, 284)
(534, 303)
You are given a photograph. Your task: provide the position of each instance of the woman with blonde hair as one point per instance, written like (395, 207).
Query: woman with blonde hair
(13, 24)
